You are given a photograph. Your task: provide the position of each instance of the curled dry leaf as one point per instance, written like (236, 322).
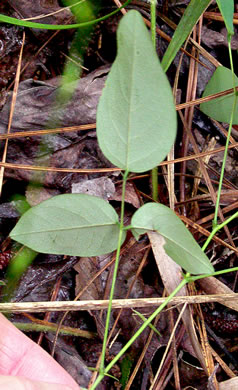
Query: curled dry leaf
(102, 187)
(130, 196)
(69, 358)
(36, 194)
(214, 286)
(35, 108)
(36, 283)
(86, 269)
(171, 275)
(33, 8)
(230, 384)
(36, 104)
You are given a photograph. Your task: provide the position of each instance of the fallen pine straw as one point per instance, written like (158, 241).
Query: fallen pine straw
(38, 307)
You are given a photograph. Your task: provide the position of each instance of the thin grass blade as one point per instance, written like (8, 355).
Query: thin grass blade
(190, 17)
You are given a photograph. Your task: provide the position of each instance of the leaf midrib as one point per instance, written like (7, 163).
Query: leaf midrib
(130, 95)
(64, 229)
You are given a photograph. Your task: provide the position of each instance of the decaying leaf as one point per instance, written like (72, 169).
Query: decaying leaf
(33, 8)
(230, 384)
(102, 187)
(214, 286)
(171, 276)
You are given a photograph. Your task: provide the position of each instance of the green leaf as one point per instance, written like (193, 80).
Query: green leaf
(190, 17)
(126, 366)
(180, 244)
(220, 108)
(136, 117)
(71, 224)
(226, 8)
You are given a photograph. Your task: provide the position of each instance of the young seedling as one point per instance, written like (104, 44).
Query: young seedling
(136, 127)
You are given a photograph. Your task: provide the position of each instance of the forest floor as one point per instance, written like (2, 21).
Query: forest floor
(189, 186)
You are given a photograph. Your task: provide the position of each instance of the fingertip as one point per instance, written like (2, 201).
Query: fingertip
(19, 383)
(21, 357)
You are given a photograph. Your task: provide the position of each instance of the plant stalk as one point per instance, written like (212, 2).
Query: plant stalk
(217, 228)
(68, 331)
(143, 326)
(25, 23)
(214, 222)
(121, 232)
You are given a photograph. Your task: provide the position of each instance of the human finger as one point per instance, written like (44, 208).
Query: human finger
(19, 383)
(20, 356)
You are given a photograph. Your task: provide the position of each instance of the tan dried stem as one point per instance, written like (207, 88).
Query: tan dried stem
(13, 102)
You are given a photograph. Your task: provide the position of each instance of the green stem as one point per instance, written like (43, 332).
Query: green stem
(153, 21)
(214, 222)
(217, 273)
(231, 62)
(24, 23)
(109, 309)
(218, 227)
(34, 327)
(143, 318)
(155, 183)
(134, 337)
